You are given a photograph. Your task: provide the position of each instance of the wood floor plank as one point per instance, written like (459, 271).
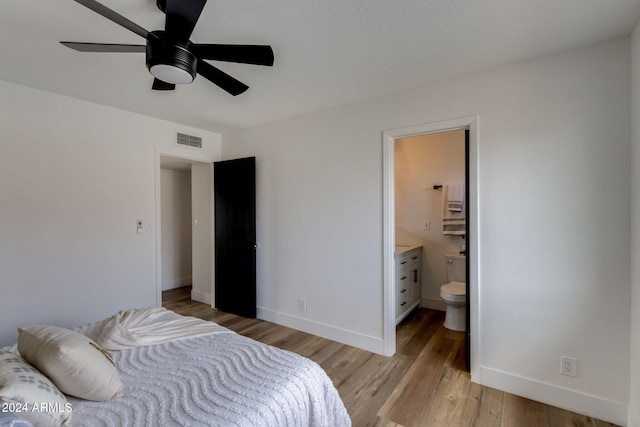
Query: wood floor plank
(318, 349)
(416, 331)
(518, 411)
(489, 410)
(408, 404)
(451, 400)
(381, 422)
(372, 386)
(423, 384)
(556, 416)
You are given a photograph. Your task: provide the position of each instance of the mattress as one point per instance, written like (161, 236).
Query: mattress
(218, 379)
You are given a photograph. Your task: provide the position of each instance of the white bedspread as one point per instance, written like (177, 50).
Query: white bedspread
(220, 379)
(150, 326)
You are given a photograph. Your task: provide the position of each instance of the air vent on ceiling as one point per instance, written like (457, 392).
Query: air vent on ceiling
(192, 141)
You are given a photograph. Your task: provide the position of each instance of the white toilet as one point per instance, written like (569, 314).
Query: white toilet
(454, 293)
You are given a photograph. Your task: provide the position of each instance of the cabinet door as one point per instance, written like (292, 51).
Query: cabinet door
(415, 272)
(416, 283)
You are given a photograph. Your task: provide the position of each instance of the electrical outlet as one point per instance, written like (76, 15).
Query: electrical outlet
(427, 225)
(302, 304)
(568, 366)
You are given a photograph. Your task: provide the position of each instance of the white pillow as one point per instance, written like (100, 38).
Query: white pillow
(29, 394)
(73, 362)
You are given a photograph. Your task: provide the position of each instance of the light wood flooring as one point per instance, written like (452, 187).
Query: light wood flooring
(423, 384)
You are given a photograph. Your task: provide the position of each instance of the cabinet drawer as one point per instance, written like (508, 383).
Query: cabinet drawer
(402, 260)
(403, 297)
(403, 278)
(413, 257)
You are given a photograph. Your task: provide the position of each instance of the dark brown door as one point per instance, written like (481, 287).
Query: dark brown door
(468, 250)
(235, 236)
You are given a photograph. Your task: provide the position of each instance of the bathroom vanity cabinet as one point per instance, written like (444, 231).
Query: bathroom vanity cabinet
(408, 260)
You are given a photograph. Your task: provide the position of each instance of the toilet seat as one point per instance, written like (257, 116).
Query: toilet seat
(455, 292)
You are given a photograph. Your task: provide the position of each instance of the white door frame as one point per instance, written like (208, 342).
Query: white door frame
(389, 138)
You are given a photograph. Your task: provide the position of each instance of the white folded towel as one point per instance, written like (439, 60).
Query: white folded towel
(455, 196)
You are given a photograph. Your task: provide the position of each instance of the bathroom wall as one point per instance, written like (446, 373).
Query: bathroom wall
(420, 163)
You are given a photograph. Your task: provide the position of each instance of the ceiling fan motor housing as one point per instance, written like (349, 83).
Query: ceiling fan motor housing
(170, 55)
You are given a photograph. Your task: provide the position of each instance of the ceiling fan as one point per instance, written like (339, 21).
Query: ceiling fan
(170, 56)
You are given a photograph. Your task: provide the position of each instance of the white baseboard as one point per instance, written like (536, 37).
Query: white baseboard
(366, 342)
(204, 297)
(633, 418)
(582, 403)
(176, 283)
(433, 304)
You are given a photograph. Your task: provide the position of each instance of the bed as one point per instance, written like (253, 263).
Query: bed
(178, 371)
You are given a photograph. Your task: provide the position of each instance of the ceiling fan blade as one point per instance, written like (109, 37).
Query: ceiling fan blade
(220, 78)
(160, 85)
(104, 47)
(244, 54)
(182, 16)
(114, 16)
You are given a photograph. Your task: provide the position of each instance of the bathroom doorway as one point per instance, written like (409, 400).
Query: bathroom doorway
(424, 164)
(413, 213)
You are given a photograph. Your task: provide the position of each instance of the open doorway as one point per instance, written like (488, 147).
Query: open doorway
(424, 164)
(430, 170)
(469, 127)
(184, 240)
(176, 239)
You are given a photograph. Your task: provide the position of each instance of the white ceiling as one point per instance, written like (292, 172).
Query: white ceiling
(327, 52)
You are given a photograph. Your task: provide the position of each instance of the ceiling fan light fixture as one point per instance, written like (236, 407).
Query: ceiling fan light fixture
(170, 62)
(169, 73)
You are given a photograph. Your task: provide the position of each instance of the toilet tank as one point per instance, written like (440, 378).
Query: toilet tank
(456, 268)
